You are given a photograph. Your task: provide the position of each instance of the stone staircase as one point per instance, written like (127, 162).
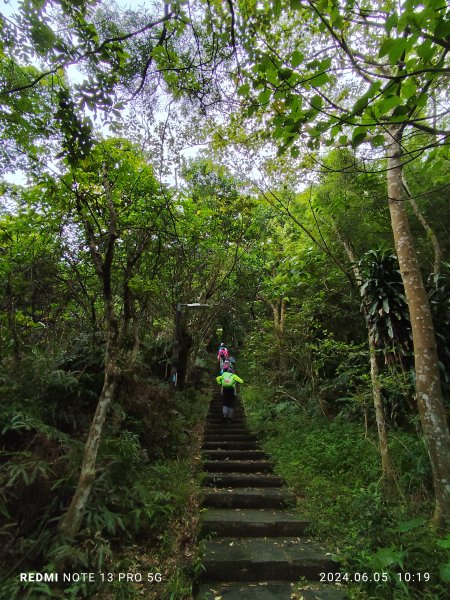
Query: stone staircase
(255, 545)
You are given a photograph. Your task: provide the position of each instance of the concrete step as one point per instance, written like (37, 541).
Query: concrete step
(218, 419)
(226, 445)
(227, 428)
(238, 466)
(217, 410)
(268, 590)
(247, 498)
(219, 414)
(234, 454)
(229, 437)
(251, 522)
(262, 559)
(227, 424)
(236, 480)
(221, 421)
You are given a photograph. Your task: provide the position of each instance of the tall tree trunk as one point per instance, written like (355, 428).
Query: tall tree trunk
(428, 389)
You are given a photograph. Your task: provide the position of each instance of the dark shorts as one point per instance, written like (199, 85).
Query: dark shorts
(228, 396)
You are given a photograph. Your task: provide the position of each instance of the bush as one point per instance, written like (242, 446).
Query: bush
(333, 468)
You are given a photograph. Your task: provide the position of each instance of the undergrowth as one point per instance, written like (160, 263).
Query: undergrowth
(140, 525)
(333, 467)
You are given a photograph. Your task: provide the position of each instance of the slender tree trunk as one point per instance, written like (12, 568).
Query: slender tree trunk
(386, 462)
(71, 521)
(282, 315)
(136, 343)
(279, 317)
(428, 389)
(430, 233)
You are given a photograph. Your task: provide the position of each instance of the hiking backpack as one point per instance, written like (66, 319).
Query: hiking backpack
(223, 353)
(227, 379)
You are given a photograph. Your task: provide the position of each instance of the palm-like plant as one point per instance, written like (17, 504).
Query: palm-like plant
(384, 304)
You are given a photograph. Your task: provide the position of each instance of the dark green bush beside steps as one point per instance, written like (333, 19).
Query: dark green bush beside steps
(143, 493)
(333, 468)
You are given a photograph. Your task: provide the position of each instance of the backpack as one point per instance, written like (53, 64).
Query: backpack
(227, 379)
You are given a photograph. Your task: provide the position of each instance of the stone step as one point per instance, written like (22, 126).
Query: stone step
(227, 428)
(234, 454)
(235, 480)
(221, 424)
(262, 559)
(268, 590)
(227, 445)
(221, 421)
(217, 409)
(247, 498)
(251, 522)
(229, 437)
(238, 466)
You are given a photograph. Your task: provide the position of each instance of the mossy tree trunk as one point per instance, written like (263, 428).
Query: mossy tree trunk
(428, 388)
(72, 519)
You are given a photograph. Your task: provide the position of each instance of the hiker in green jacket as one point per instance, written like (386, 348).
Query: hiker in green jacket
(227, 380)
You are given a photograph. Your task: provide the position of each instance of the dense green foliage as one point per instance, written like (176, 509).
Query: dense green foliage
(279, 227)
(332, 466)
(144, 486)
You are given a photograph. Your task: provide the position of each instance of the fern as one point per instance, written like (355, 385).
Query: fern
(25, 468)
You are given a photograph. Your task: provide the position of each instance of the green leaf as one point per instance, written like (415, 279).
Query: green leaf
(423, 17)
(408, 90)
(396, 50)
(443, 29)
(426, 50)
(244, 89)
(377, 141)
(444, 572)
(385, 47)
(297, 58)
(422, 100)
(444, 543)
(278, 133)
(359, 135)
(409, 525)
(320, 80)
(325, 64)
(285, 74)
(264, 96)
(295, 151)
(373, 89)
(360, 104)
(391, 22)
(335, 130)
(388, 104)
(316, 101)
(386, 557)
